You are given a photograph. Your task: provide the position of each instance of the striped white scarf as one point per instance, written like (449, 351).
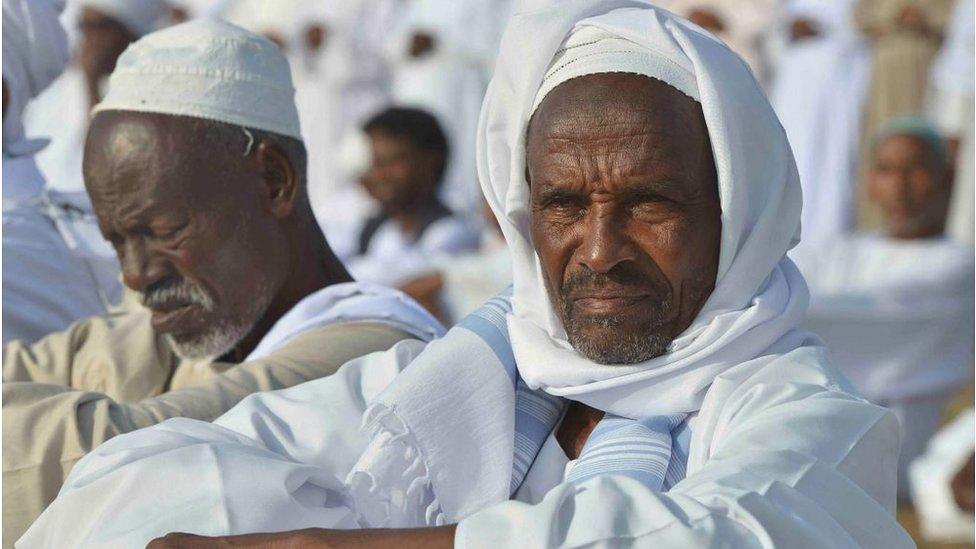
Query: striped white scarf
(414, 471)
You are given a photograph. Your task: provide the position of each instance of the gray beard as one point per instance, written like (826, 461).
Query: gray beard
(219, 339)
(624, 349)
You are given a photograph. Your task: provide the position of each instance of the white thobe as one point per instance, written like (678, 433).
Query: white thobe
(951, 102)
(897, 316)
(821, 114)
(779, 456)
(394, 257)
(450, 81)
(57, 268)
(61, 114)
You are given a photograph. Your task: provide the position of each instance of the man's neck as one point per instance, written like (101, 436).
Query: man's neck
(314, 267)
(410, 220)
(575, 429)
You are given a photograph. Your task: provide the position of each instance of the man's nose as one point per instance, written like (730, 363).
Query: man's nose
(140, 269)
(605, 242)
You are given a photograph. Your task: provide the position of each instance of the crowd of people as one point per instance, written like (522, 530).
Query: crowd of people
(665, 273)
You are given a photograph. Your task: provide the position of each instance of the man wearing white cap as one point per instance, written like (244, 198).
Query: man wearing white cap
(644, 384)
(197, 174)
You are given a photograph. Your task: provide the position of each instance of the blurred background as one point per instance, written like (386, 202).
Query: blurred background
(876, 97)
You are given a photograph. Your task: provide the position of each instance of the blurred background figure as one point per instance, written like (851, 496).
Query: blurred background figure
(409, 152)
(457, 285)
(942, 483)
(105, 29)
(950, 104)
(822, 115)
(905, 35)
(896, 308)
(441, 56)
(741, 24)
(56, 267)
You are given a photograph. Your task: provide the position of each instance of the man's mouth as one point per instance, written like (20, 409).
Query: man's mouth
(610, 302)
(171, 317)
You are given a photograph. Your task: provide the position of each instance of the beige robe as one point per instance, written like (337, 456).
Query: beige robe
(900, 72)
(104, 376)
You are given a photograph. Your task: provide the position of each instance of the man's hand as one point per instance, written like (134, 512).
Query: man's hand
(422, 44)
(707, 19)
(317, 538)
(802, 29)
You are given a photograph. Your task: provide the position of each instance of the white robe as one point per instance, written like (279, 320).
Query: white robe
(393, 257)
(61, 114)
(776, 459)
(821, 114)
(57, 268)
(897, 317)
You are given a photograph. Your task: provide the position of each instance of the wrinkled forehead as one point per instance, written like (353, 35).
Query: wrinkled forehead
(156, 156)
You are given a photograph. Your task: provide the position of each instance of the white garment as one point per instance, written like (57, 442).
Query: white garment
(818, 90)
(473, 278)
(35, 51)
(951, 105)
(780, 456)
(941, 519)
(745, 25)
(896, 315)
(393, 257)
(210, 69)
(450, 80)
(61, 113)
(350, 302)
(57, 268)
(278, 460)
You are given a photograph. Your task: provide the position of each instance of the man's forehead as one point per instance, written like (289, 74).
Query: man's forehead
(618, 103)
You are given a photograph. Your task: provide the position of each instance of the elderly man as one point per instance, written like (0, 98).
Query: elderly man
(198, 181)
(896, 309)
(655, 390)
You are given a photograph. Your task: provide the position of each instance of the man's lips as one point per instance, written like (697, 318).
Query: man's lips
(169, 318)
(607, 302)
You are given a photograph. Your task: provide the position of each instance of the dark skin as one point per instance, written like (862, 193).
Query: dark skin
(803, 29)
(208, 215)
(601, 137)
(912, 186)
(402, 178)
(421, 44)
(316, 37)
(103, 39)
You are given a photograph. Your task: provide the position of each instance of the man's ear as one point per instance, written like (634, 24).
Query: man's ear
(279, 179)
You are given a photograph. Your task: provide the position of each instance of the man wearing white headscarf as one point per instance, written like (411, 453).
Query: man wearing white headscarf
(48, 281)
(241, 292)
(820, 80)
(657, 395)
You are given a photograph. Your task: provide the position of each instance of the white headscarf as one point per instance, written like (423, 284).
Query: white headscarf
(759, 295)
(207, 68)
(35, 51)
(140, 17)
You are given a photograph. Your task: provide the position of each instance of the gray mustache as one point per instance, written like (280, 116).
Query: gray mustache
(177, 292)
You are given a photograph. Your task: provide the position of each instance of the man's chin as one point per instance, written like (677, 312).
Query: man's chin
(207, 345)
(620, 345)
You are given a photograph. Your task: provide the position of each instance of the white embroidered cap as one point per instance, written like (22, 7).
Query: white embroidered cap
(207, 68)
